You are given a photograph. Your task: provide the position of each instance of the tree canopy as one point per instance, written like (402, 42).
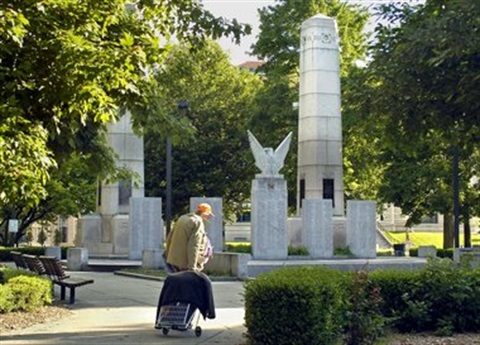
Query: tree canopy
(425, 73)
(70, 66)
(215, 159)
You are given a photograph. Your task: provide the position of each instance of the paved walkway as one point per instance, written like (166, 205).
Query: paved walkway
(121, 310)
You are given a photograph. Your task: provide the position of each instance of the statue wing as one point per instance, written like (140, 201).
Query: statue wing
(281, 151)
(258, 152)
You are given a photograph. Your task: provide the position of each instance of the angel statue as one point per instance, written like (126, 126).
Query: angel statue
(268, 161)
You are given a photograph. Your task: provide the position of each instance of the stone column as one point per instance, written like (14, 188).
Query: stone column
(269, 218)
(320, 164)
(146, 226)
(361, 228)
(317, 229)
(214, 226)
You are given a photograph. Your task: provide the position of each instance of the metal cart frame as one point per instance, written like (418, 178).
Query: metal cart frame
(179, 317)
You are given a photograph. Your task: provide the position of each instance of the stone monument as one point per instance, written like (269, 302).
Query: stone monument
(320, 166)
(269, 202)
(107, 232)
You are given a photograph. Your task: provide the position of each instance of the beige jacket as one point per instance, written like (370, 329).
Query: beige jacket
(186, 242)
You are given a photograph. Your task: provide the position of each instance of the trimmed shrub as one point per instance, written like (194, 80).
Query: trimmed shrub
(8, 273)
(401, 305)
(298, 251)
(443, 297)
(30, 293)
(445, 253)
(239, 248)
(296, 306)
(441, 253)
(365, 321)
(451, 292)
(7, 300)
(5, 252)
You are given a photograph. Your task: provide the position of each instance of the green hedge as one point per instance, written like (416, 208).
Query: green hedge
(5, 252)
(443, 297)
(441, 253)
(314, 305)
(296, 306)
(25, 293)
(8, 273)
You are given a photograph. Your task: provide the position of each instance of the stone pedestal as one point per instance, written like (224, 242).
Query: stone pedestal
(120, 228)
(294, 231)
(152, 258)
(56, 252)
(361, 228)
(214, 226)
(317, 230)
(339, 232)
(146, 226)
(467, 256)
(269, 218)
(77, 259)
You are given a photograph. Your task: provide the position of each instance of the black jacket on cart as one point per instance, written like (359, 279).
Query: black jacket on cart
(189, 287)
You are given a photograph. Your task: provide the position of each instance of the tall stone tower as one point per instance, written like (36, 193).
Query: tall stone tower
(320, 167)
(107, 232)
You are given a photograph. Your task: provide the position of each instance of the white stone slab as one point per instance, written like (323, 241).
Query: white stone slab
(146, 226)
(269, 218)
(317, 229)
(121, 234)
(361, 228)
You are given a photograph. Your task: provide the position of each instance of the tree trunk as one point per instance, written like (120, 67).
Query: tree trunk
(467, 232)
(448, 230)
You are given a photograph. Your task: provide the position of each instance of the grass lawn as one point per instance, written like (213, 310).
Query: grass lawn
(426, 238)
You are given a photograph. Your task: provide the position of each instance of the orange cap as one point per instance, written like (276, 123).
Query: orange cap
(205, 208)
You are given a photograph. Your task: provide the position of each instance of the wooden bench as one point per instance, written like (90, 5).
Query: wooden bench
(54, 269)
(18, 260)
(33, 264)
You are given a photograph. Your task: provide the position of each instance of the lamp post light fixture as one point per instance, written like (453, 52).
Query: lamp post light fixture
(183, 106)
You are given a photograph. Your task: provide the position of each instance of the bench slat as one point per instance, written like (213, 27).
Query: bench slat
(55, 271)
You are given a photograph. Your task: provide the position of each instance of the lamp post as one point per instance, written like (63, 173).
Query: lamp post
(456, 199)
(182, 105)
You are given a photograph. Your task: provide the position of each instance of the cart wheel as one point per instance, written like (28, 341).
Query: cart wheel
(198, 331)
(165, 331)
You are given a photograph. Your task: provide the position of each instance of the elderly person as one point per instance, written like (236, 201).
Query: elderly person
(187, 243)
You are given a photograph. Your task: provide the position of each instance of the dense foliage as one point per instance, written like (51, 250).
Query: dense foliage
(424, 92)
(215, 159)
(68, 68)
(316, 305)
(24, 293)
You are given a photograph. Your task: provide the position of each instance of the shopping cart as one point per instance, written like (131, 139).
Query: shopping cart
(184, 297)
(178, 317)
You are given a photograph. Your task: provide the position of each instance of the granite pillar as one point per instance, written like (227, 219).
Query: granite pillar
(361, 228)
(146, 226)
(269, 218)
(317, 229)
